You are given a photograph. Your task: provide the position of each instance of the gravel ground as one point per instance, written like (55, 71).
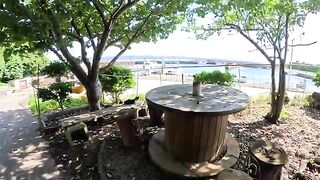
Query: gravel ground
(298, 135)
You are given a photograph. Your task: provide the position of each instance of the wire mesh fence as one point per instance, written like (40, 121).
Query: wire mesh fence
(246, 76)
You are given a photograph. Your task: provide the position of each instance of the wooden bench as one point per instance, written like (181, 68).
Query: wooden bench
(93, 116)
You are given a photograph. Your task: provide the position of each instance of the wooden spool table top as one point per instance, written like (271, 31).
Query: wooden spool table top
(215, 100)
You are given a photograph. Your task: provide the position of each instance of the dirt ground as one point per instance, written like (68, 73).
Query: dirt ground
(298, 134)
(25, 154)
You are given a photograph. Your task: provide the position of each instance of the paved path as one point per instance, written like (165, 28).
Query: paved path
(23, 153)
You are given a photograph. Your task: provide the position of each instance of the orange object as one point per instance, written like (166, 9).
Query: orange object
(78, 89)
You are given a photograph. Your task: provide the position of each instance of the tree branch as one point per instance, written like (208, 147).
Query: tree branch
(82, 46)
(106, 33)
(93, 44)
(57, 54)
(286, 35)
(306, 44)
(238, 28)
(136, 34)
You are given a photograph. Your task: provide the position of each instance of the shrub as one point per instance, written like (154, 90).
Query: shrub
(214, 77)
(316, 80)
(56, 69)
(58, 92)
(116, 81)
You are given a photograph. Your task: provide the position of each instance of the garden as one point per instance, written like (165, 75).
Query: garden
(112, 143)
(206, 129)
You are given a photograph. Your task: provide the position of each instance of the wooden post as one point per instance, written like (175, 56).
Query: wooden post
(266, 160)
(182, 78)
(129, 127)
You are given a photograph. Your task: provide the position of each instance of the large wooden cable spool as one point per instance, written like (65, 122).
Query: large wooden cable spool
(192, 138)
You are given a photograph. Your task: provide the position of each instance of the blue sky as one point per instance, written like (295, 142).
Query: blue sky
(226, 46)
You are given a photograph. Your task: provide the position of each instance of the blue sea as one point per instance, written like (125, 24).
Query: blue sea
(253, 75)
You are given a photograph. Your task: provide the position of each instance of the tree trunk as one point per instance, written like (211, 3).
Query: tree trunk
(277, 104)
(273, 83)
(94, 93)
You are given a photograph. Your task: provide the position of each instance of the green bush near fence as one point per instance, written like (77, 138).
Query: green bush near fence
(214, 77)
(116, 81)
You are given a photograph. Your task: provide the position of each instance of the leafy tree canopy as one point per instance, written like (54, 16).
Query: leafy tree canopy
(55, 25)
(20, 65)
(94, 24)
(266, 24)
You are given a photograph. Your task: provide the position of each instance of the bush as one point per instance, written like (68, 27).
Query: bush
(56, 69)
(214, 77)
(316, 80)
(58, 92)
(116, 81)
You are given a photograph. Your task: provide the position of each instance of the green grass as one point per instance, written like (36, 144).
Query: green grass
(4, 85)
(53, 105)
(261, 99)
(285, 115)
(299, 100)
(73, 102)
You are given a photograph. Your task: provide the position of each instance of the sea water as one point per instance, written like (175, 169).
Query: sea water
(251, 75)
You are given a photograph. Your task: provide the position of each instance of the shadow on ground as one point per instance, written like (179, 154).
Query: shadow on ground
(23, 152)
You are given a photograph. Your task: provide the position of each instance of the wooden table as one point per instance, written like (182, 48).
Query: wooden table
(195, 126)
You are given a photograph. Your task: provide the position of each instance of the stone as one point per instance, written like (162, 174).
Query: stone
(76, 131)
(317, 160)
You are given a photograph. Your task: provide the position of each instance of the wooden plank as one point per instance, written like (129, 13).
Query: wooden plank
(216, 134)
(65, 122)
(205, 130)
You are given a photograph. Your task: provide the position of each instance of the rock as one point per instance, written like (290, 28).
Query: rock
(302, 154)
(316, 96)
(299, 176)
(77, 131)
(286, 98)
(109, 175)
(317, 160)
(314, 100)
